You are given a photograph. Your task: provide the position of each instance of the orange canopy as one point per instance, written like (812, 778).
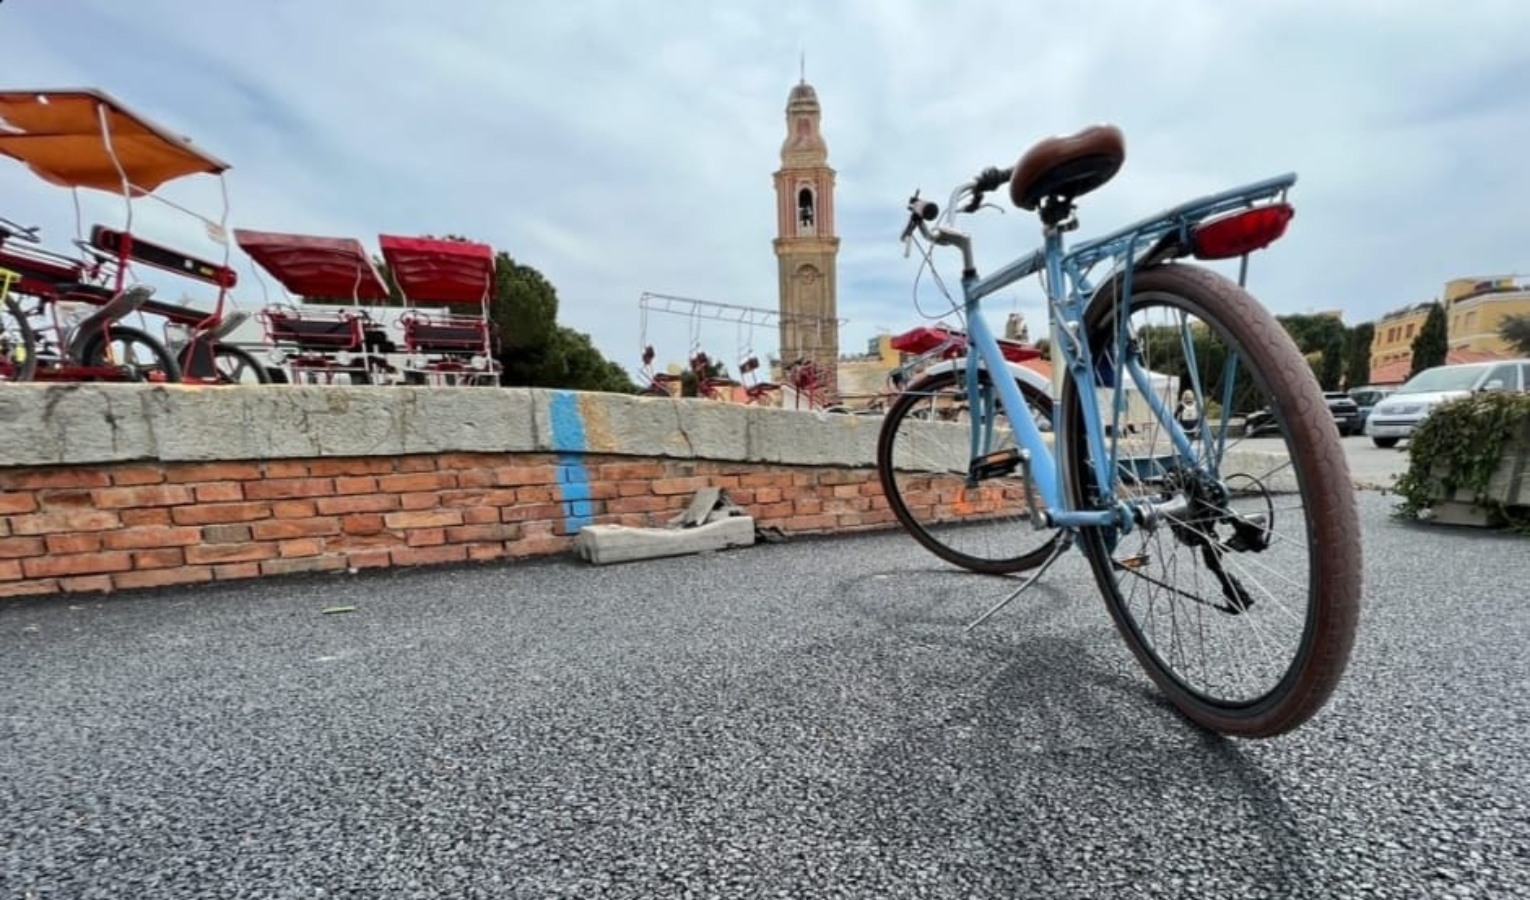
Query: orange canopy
(59, 135)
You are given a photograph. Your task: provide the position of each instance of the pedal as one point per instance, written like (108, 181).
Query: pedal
(995, 465)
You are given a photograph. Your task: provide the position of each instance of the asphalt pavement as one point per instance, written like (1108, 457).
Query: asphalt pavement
(803, 720)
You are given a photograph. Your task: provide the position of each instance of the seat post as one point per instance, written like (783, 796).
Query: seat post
(1057, 214)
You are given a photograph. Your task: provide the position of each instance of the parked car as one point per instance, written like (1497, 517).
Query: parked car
(1394, 418)
(1346, 412)
(1366, 397)
(1346, 416)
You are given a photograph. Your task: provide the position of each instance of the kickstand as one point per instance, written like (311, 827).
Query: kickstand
(1057, 550)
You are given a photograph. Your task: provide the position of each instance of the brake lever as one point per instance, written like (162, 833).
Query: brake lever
(916, 212)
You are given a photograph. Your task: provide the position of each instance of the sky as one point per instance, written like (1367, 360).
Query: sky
(623, 147)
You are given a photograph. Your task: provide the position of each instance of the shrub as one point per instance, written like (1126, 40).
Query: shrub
(1458, 447)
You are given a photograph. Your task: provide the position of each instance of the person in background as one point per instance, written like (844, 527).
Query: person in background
(1188, 415)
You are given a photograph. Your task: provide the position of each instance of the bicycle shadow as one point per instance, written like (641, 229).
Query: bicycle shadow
(943, 597)
(1055, 773)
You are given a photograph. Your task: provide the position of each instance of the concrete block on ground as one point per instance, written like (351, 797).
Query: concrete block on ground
(602, 544)
(1458, 512)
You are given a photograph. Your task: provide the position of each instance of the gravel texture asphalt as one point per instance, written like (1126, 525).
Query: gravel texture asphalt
(799, 720)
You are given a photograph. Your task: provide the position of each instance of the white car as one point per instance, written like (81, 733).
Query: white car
(1394, 417)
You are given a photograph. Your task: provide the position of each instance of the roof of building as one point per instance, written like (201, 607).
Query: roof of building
(1406, 311)
(1397, 372)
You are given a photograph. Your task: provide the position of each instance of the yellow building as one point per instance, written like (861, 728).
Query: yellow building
(1475, 307)
(1395, 332)
(863, 378)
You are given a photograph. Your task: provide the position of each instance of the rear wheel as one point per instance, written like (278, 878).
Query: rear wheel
(923, 461)
(1242, 602)
(1385, 443)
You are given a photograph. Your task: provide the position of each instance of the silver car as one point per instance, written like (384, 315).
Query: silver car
(1395, 417)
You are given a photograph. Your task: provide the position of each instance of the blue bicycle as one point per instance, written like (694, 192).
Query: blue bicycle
(1230, 564)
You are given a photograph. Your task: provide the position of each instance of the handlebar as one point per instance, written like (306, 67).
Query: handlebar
(922, 212)
(9, 229)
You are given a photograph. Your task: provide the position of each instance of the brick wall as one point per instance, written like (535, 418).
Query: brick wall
(135, 525)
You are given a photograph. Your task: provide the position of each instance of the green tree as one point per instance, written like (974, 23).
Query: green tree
(534, 350)
(1320, 338)
(1163, 349)
(1330, 371)
(1357, 354)
(525, 313)
(1516, 330)
(1431, 344)
(585, 368)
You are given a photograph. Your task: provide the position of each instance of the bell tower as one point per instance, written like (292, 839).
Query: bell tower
(806, 245)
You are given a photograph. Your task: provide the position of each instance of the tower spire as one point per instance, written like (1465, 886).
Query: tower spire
(802, 68)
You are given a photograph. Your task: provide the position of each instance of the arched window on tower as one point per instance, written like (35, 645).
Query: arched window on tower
(805, 213)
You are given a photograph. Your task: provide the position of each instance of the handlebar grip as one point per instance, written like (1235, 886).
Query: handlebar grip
(989, 179)
(993, 178)
(918, 209)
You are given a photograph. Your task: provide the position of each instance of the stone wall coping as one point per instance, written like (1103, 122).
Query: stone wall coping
(90, 423)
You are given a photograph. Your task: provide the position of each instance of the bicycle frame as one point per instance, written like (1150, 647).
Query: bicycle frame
(1068, 293)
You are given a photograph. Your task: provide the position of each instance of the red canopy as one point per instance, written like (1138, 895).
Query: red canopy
(68, 137)
(438, 270)
(315, 266)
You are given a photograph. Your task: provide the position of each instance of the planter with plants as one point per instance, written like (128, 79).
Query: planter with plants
(1469, 463)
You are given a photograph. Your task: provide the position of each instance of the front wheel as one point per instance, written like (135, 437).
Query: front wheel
(1241, 597)
(1385, 443)
(140, 356)
(923, 461)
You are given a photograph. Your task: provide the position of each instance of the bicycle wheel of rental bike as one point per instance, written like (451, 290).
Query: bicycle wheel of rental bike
(238, 366)
(231, 365)
(923, 463)
(18, 346)
(141, 356)
(1243, 606)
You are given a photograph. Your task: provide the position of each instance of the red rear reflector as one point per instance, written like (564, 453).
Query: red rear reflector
(1241, 233)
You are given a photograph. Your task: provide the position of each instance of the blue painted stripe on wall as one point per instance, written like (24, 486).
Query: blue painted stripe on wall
(573, 481)
(567, 423)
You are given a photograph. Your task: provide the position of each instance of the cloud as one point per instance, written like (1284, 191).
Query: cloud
(623, 148)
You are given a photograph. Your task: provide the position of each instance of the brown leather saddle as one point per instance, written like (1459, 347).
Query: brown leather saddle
(1067, 167)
